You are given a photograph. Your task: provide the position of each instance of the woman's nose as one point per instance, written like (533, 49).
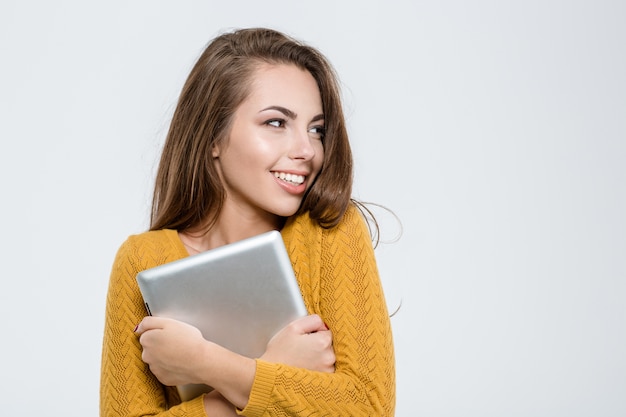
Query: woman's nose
(302, 146)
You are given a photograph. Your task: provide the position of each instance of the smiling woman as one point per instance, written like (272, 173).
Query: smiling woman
(257, 143)
(274, 140)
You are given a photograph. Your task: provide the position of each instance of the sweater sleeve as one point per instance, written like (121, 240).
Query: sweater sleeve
(127, 387)
(340, 282)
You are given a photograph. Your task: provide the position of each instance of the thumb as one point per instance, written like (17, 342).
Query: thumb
(148, 323)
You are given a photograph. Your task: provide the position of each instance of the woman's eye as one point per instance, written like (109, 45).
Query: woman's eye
(320, 131)
(275, 123)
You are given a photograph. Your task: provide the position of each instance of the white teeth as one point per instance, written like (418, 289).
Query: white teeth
(295, 179)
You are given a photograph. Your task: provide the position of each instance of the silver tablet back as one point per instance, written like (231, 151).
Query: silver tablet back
(238, 295)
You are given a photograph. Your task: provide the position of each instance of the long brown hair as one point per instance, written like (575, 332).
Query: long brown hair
(188, 192)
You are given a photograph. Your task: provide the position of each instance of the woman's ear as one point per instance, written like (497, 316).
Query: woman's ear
(215, 153)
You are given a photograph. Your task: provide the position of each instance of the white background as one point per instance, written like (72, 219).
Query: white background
(495, 130)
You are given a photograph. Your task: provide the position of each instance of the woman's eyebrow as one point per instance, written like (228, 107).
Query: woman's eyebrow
(283, 110)
(290, 114)
(317, 118)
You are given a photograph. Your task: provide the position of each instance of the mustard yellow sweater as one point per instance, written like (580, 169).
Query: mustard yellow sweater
(338, 278)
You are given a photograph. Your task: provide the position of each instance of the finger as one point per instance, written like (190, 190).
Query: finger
(322, 339)
(150, 323)
(310, 324)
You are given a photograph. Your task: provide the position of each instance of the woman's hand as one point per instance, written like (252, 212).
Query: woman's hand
(304, 343)
(174, 350)
(178, 354)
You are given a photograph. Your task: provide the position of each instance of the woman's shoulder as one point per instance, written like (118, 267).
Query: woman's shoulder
(152, 247)
(353, 221)
(155, 238)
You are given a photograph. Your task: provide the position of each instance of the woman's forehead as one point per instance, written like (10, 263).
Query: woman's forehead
(284, 85)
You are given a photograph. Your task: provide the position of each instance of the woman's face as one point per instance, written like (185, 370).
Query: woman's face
(275, 147)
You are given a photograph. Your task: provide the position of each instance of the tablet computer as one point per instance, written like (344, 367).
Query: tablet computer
(238, 295)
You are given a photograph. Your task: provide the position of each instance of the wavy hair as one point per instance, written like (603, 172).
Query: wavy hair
(188, 192)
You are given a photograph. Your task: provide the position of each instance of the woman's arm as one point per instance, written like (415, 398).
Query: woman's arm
(127, 387)
(338, 277)
(178, 354)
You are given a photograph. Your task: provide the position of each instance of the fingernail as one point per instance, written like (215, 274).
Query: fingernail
(326, 326)
(136, 327)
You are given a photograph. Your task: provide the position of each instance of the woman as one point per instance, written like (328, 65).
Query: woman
(257, 142)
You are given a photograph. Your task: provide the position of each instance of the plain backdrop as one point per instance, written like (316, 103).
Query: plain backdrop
(494, 130)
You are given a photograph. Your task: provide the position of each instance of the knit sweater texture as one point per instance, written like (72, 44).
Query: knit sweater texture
(338, 278)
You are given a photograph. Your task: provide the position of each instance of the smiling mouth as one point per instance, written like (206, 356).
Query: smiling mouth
(291, 178)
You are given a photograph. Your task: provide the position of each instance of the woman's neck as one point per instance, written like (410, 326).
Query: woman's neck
(230, 226)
